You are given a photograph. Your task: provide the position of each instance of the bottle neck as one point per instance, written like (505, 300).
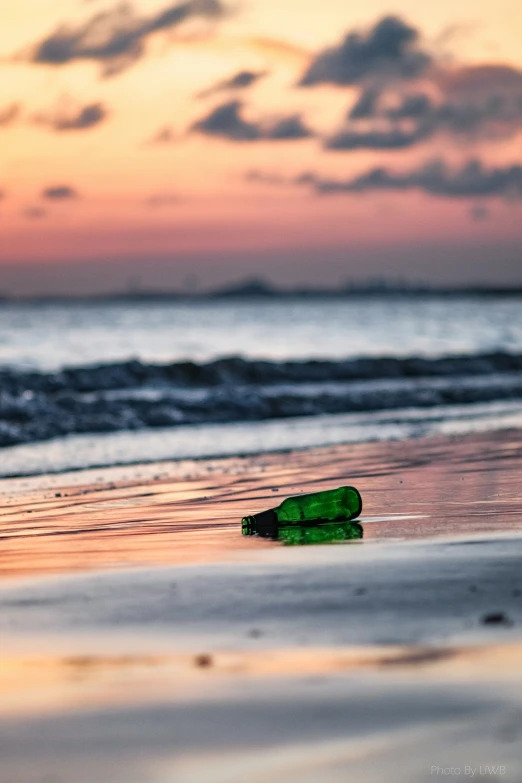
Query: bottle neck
(264, 524)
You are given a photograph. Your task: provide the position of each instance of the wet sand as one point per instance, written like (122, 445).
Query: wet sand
(145, 640)
(189, 512)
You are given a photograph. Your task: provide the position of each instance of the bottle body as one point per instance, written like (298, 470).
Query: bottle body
(341, 504)
(330, 504)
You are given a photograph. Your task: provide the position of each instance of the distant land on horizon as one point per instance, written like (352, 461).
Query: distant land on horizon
(255, 288)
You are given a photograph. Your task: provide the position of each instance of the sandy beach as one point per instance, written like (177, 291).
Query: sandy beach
(144, 639)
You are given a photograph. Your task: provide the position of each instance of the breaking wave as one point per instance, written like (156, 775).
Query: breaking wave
(132, 395)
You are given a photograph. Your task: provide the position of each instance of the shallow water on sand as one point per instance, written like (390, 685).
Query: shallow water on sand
(189, 512)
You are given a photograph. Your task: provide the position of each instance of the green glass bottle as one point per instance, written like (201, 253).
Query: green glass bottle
(343, 503)
(324, 533)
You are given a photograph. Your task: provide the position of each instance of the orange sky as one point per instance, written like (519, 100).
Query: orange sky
(101, 162)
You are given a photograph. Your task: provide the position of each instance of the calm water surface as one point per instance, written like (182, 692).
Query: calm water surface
(50, 336)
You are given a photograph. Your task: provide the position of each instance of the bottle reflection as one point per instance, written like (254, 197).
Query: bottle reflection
(322, 533)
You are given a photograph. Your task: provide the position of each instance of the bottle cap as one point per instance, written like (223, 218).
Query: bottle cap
(248, 526)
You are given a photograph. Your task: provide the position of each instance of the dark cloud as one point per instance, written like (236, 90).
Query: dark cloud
(9, 114)
(59, 193)
(495, 116)
(417, 106)
(243, 79)
(476, 102)
(83, 118)
(289, 128)
(390, 49)
(226, 121)
(393, 126)
(470, 80)
(395, 138)
(472, 180)
(482, 101)
(116, 38)
(389, 130)
(365, 105)
(488, 115)
(240, 81)
(383, 119)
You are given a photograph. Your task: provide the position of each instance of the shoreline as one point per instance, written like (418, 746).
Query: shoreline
(149, 449)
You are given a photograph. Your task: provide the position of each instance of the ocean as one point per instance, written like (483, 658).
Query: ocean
(100, 383)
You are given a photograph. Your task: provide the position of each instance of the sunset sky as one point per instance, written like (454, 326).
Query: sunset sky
(193, 143)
